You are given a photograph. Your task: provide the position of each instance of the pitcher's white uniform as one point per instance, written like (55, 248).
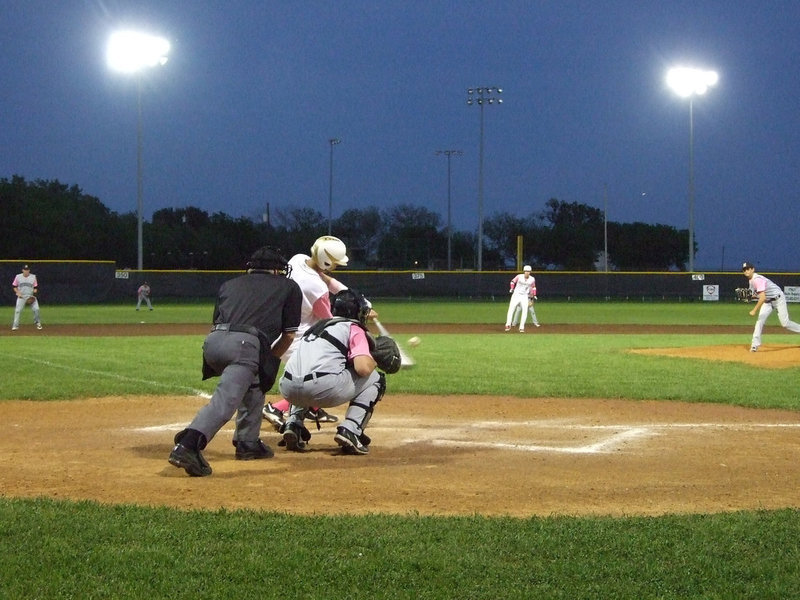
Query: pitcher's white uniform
(25, 285)
(773, 299)
(523, 291)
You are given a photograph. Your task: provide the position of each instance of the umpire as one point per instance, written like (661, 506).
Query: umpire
(255, 319)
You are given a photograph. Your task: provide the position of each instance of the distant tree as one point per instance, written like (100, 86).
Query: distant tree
(51, 220)
(412, 238)
(576, 235)
(500, 233)
(361, 230)
(643, 247)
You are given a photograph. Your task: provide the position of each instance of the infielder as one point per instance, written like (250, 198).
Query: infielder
(26, 286)
(255, 319)
(332, 365)
(143, 295)
(523, 293)
(312, 274)
(770, 296)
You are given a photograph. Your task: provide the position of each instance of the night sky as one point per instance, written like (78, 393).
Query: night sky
(241, 114)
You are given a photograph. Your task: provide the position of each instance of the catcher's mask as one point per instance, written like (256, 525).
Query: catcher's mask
(268, 258)
(329, 252)
(351, 305)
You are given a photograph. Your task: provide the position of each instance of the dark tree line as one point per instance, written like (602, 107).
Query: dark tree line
(50, 220)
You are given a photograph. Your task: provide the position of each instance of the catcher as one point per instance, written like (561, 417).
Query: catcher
(335, 362)
(26, 286)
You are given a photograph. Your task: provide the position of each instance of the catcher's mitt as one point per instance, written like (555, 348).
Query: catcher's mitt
(30, 300)
(387, 354)
(744, 294)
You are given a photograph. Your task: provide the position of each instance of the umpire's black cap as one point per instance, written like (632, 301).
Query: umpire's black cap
(746, 265)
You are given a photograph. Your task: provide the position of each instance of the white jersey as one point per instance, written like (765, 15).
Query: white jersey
(25, 285)
(524, 286)
(313, 289)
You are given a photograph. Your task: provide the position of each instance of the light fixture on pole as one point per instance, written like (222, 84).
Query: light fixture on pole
(482, 96)
(448, 154)
(131, 52)
(687, 83)
(332, 142)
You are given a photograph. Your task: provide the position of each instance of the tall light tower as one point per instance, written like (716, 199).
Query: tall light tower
(482, 96)
(687, 83)
(449, 154)
(332, 142)
(132, 52)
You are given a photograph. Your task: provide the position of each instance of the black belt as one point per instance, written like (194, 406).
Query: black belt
(307, 377)
(773, 299)
(235, 328)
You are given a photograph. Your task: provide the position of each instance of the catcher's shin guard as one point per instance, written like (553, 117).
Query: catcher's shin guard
(359, 412)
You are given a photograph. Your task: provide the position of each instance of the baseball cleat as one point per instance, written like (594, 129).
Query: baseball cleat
(350, 442)
(38, 326)
(253, 450)
(508, 328)
(537, 325)
(273, 415)
(14, 328)
(754, 349)
(190, 461)
(293, 438)
(320, 416)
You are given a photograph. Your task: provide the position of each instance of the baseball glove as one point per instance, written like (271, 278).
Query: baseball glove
(387, 354)
(744, 294)
(30, 300)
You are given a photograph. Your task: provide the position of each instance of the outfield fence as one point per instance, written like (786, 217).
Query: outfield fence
(79, 282)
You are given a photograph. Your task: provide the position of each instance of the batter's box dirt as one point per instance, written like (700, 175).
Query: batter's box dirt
(455, 455)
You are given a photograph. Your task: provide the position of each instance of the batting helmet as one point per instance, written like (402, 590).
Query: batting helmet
(329, 252)
(268, 258)
(351, 305)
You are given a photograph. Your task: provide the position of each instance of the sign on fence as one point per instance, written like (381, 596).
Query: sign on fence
(710, 293)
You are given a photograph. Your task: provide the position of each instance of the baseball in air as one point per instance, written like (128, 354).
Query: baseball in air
(414, 341)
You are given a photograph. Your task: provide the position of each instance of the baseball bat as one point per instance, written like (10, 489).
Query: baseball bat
(405, 358)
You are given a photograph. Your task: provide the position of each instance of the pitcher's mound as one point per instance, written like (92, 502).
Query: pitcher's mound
(769, 356)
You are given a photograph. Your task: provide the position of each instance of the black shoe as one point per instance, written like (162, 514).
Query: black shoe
(191, 461)
(273, 415)
(350, 442)
(320, 416)
(295, 437)
(253, 450)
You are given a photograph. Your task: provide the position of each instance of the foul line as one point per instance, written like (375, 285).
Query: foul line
(156, 384)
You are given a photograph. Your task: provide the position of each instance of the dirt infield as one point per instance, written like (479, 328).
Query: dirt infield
(451, 455)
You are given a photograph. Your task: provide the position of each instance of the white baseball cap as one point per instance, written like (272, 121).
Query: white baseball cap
(527, 268)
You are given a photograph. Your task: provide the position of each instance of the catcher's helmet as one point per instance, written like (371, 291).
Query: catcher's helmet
(329, 252)
(351, 305)
(268, 258)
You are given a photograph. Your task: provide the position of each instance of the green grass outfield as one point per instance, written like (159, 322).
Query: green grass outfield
(56, 549)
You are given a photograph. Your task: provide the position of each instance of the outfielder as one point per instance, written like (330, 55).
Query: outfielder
(523, 293)
(333, 364)
(26, 286)
(143, 295)
(769, 296)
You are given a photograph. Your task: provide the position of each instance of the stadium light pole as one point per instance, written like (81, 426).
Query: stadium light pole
(687, 83)
(332, 142)
(482, 96)
(131, 52)
(449, 154)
